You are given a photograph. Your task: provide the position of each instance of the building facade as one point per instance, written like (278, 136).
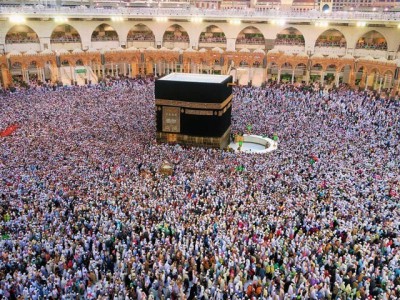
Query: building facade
(82, 46)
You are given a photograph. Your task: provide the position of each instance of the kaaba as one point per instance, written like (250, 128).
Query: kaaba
(194, 109)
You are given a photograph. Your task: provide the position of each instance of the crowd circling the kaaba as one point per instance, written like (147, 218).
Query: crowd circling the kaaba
(86, 214)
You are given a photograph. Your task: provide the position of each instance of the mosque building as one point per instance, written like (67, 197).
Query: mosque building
(299, 41)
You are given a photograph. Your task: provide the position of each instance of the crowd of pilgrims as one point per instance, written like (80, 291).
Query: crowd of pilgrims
(86, 214)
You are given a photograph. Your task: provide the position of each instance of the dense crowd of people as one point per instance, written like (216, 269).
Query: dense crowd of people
(63, 37)
(336, 43)
(296, 40)
(179, 37)
(212, 39)
(86, 214)
(373, 46)
(21, 37)
(141, 36)
(256, 40)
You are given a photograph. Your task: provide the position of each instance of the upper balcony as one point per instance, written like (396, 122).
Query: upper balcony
(249, 14)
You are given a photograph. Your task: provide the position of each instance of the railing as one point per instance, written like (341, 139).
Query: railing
(105, 38)
(21, 41)
(176, 39)
(330, 44)
(213, 40)
(289, 42)
(372, 46)
(65, 40)
(137, 38)
(250, 41)
(193, 11)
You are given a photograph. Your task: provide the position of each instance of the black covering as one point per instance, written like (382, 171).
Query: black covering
(203, 92)
(198, 125)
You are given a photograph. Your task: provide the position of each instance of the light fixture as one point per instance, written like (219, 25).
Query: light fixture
(398, 26)
(235, 21)
(278, 22)
(17, 19)
(117, 19)
(196, 20)
(60, 19)
(321, 24)
(161, 19)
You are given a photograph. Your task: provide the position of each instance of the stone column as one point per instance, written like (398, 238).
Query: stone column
(5, 75)
(385, 81)
(278, 80)
(231, 44)
(292, 76)
(322, 77)
(366, 81)
(25, 76)
(71, 75)
(134, 69)
(149, 68)
(3, 79)
(307, 77)
(380, 84)
(39, 74)
(376, 80)
(337, 79)
(363, 80)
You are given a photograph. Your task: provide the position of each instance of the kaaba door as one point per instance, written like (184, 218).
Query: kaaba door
(172, 138)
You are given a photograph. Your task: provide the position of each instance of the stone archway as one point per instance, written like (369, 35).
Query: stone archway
(372, 40)
(175, 36)
(373, 78)
(212, 37)
(290, 40)
(140, 36)
(300, 72)
(286, 73)
(21, 38)
(66, 37)
(330, 75)
(316, 73)
(331, 41)
(272, 71)
(250, 38)
(388, 78)
(104, 37)
(360, 77)
(372, 43)
(326, 8)
(345, 76)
